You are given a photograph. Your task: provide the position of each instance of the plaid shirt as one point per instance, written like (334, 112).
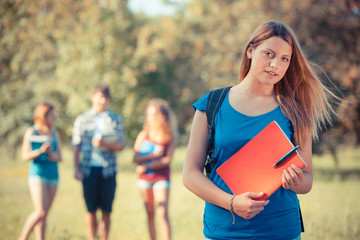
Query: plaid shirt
(83, 133)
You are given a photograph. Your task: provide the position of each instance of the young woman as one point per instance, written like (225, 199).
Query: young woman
(154, 148)
(42, 148)
(276, 83)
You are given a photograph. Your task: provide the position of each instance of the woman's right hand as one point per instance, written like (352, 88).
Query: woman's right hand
(246, 206)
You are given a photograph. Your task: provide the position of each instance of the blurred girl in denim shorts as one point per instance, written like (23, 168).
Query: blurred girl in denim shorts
(154, 148)
(42, 149)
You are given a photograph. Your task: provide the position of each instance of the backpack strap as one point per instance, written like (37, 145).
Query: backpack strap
(35, 131)
(301, 221)
(215, 99)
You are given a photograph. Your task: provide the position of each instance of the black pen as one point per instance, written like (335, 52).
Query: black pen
(286, 156)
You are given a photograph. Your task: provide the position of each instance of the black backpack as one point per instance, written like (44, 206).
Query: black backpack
(215, 99)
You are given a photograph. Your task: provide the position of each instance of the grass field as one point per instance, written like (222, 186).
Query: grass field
(331, 210)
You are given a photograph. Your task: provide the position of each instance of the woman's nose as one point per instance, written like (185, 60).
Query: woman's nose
(274, 63)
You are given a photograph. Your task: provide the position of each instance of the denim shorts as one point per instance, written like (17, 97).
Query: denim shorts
(99, 192)
(298, 238)
(142, 184)
(34, 179)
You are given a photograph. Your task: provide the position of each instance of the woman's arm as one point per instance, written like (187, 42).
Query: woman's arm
(162, 160)
(193, 176)
(56, 156)
(138, 158)
(194, 179)
(27, 152)
(300, 180)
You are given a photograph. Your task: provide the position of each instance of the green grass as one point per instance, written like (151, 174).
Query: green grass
(331, 210)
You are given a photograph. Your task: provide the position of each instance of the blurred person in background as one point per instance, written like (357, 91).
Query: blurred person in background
(42, 149)
(97, 135)
(276, 83)
(154, 148)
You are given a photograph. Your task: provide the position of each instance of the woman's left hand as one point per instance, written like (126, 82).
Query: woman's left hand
(140, 169)
(46, 148)
(292, 177)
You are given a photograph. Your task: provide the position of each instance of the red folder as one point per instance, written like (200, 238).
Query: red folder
(251, 168)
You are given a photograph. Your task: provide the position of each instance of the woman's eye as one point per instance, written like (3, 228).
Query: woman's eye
(268, 54)
(285, 59)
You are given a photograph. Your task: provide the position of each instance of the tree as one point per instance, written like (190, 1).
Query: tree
(330, 33)
(57, 51)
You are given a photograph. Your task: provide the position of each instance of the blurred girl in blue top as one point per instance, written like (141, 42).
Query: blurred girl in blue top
(276, 83)
(42, 148)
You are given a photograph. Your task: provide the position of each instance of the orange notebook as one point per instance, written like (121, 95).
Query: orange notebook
(251, 168)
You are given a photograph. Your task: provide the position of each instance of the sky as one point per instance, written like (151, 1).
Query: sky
(154, 7)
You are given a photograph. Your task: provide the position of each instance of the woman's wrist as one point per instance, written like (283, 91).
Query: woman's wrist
(231, 209)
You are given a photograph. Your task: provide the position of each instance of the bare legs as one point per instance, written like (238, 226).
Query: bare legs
(42, 196)
(91, 225)
(148, 198)
(161, 196)
(104, 225)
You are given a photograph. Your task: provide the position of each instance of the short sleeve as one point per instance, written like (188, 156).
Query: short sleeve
(120, 130)
(76, 136)
(201, 103)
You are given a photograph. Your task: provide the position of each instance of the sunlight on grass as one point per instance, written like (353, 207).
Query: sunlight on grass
(330, 210)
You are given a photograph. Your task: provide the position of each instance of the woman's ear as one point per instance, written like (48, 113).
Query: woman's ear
(249, 52)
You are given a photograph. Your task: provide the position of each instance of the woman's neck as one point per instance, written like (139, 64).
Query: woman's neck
(156, 136)
(255, 88)
(42, 129)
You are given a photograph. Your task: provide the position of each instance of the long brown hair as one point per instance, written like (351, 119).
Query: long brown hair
(165, 122)
(303, 98)
(40, 113)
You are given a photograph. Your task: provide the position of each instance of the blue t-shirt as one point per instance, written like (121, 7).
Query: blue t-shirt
(280, 219)
(41, 166)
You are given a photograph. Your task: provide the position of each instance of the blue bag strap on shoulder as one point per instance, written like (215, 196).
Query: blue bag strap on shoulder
(35, 131)
(215, 99)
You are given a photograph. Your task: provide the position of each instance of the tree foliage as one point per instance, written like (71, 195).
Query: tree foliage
(56, 51)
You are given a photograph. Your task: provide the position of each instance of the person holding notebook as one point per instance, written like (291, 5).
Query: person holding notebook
(98, 135)
(42, 149)
(153, 151)
(276, 84)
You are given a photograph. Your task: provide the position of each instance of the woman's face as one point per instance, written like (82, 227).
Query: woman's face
(151, 113)
(50, 119)
(270, 60)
